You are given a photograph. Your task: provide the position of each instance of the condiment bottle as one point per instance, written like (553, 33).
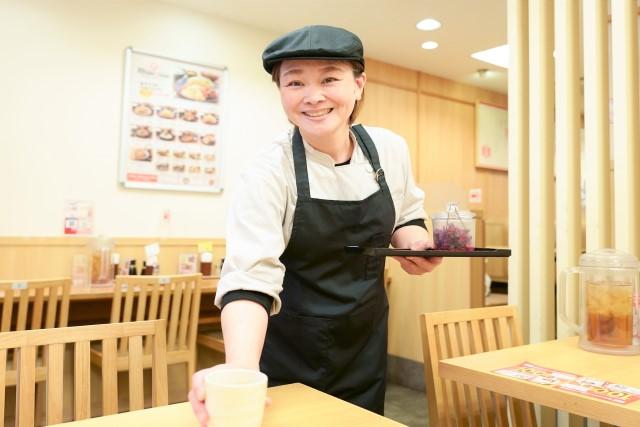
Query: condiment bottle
(133, 271)
(115, 261)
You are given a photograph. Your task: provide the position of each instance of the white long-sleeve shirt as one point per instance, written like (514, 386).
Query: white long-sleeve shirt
(261, 216)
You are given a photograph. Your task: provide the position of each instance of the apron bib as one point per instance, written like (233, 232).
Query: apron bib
(331, 332)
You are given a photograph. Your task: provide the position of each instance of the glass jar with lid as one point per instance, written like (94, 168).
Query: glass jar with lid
(100, 249)
(454, 229)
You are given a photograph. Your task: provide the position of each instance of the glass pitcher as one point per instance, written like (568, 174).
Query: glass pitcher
(608, 302)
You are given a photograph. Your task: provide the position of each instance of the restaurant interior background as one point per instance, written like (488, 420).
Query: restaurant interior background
(62, 89)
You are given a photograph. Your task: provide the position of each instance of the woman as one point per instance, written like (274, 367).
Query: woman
(325, 185)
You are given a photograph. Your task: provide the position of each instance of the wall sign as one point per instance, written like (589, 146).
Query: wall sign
(78, 217)
(491, 137)
(171, 124)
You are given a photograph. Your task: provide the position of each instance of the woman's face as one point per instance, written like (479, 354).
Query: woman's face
(318, 95)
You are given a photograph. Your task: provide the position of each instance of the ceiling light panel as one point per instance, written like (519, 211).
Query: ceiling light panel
(428, 24)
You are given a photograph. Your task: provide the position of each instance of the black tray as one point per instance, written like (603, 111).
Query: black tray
(477, 252)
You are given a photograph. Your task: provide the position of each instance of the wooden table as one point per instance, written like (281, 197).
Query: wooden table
(292, 405)
(98, 292)
(560, 355)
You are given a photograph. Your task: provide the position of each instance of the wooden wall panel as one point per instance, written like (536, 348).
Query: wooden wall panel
(391, 75)
(438, 86)
(41, 257)
(447, 156)
(447, 288)
(394, 109)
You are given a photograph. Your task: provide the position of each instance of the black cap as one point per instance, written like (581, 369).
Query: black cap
(314, 42)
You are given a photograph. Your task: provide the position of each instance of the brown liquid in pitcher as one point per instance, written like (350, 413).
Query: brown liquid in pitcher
(609, 329)
(609, 314)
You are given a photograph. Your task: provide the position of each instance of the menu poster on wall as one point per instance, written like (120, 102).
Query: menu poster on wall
(171, 124)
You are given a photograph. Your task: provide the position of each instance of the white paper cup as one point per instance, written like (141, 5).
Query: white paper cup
(235, 397)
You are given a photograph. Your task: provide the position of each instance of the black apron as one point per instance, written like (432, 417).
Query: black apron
(331, 332)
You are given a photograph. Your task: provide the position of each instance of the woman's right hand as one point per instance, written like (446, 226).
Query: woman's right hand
(197, 394)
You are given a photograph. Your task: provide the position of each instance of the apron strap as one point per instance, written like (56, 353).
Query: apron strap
(300, 166)
(369, 150)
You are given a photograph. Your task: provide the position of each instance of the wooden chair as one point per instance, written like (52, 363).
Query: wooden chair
(53, 342)
(174, 298)
(456, 333)
(33, 304)
(211, 338)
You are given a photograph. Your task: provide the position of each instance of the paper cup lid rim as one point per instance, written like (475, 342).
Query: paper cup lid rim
(260, 376)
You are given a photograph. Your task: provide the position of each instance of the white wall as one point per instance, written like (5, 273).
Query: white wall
(61, 88)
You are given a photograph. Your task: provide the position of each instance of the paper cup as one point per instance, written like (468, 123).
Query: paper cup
(235, 397)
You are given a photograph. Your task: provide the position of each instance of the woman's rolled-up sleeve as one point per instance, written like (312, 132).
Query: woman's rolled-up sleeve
(255, 238)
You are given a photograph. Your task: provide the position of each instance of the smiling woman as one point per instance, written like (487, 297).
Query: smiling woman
(324, 185)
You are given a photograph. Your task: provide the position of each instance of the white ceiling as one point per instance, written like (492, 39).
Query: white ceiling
(387, 29)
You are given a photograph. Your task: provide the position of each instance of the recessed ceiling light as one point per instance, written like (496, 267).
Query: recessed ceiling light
(497, 56)
(429, 45)
(428, 24)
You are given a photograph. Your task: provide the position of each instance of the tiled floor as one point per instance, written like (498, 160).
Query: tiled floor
(406, 406)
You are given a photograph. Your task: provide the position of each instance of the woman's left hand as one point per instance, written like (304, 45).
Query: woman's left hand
(419, 265)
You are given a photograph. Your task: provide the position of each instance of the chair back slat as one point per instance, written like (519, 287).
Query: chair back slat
(26, 386)
(154, 299)
(23, 306)
(443, 353)
(165, 303)
(142, 302)
(489, 335)
(127, 310)
(463, 332)
(174, 316)
(504, 333)
(7, 310)
(52, 342)
(109, 377)
(3, 381)
(116, 301)
(55, 368)
(457, 389)
(159, 382)
(192, 333)
(82, 379)
(516, 334)
(136, 385)
(185, 315)
(36, 312)
(471, 392)
(52, 309)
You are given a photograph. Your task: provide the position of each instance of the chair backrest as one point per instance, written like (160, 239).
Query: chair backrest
(49, 306)
(26, 344)
(175, 298)
(454, 333)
